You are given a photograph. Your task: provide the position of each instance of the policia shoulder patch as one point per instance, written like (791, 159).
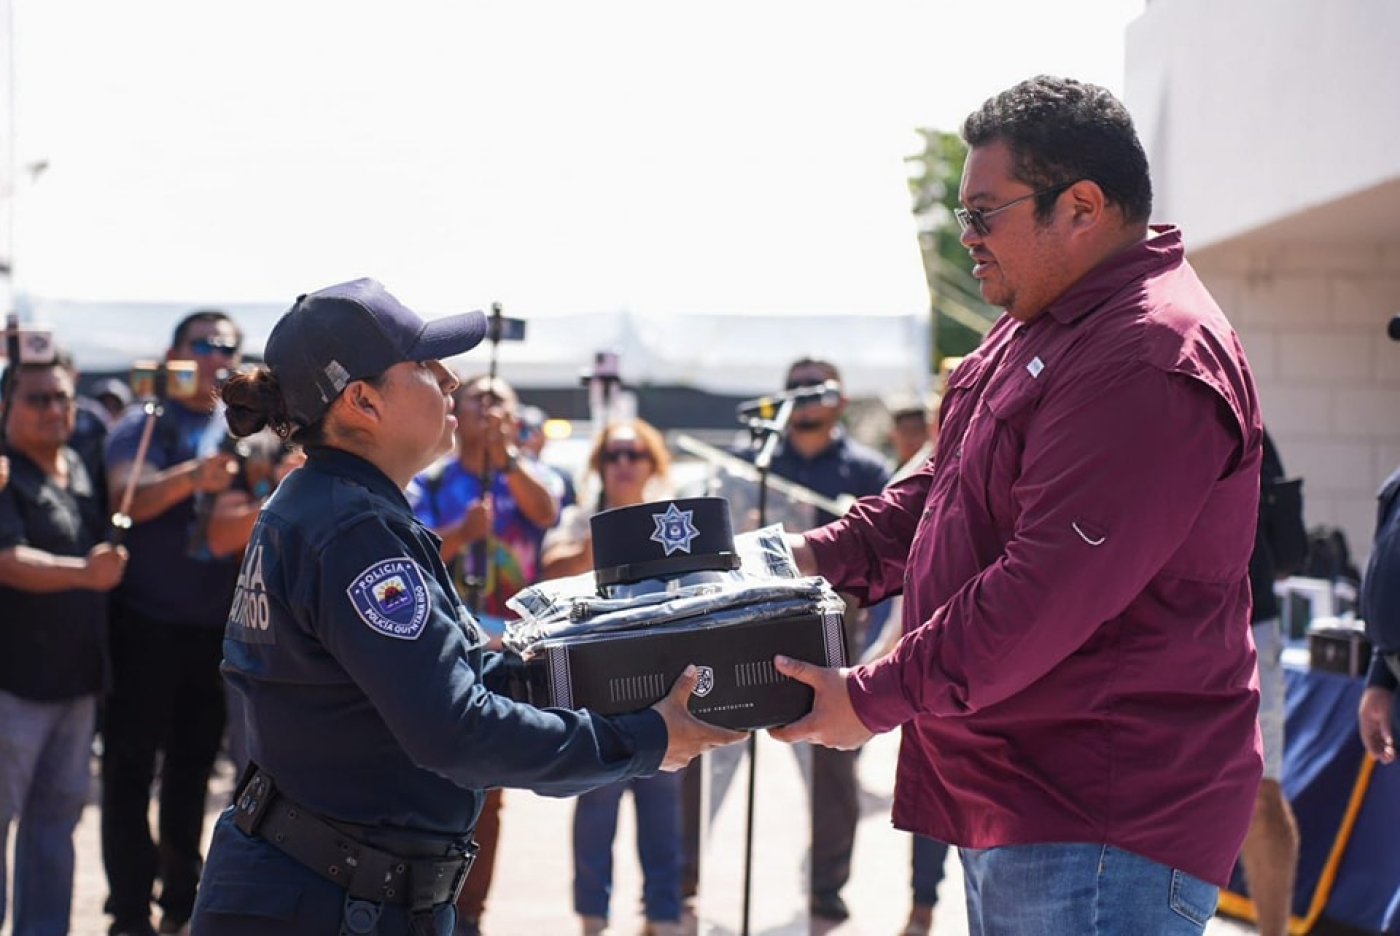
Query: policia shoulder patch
(392, 598)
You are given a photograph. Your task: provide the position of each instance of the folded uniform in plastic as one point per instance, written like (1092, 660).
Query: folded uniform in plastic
(673, 586)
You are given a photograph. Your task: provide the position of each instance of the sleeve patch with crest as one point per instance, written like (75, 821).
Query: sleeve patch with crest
(392, 598)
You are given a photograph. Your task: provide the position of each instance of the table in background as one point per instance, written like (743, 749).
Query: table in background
(1347, 807)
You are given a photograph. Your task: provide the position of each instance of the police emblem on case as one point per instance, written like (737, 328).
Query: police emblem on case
(674, 529)
(392, 598)
(704, 681)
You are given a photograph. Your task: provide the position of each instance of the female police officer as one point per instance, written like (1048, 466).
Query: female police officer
(371, 720)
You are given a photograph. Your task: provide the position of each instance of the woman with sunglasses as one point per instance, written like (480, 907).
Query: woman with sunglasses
(372, 719)
(630, 463)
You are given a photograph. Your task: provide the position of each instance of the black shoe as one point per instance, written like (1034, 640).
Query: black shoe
(173, 925)
(830, 907)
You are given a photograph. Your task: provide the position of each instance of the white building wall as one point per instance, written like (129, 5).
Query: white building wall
(1312, 321)
(1273, 130)
(1252, 110)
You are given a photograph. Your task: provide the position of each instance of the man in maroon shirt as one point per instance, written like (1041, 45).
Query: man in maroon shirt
(1076, 681)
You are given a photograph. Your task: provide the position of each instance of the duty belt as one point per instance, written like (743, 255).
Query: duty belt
(366, 872)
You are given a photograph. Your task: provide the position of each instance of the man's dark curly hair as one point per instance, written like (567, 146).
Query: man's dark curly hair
(1059, 131)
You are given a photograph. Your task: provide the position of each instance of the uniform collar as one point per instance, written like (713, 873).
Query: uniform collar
(348, 465)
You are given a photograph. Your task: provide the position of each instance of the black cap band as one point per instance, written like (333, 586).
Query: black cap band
(666, 568)
(662, 539)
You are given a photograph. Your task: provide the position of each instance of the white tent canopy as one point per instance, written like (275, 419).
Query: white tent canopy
(722, 353)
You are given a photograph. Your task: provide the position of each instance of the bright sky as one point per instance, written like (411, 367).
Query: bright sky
(561, 156)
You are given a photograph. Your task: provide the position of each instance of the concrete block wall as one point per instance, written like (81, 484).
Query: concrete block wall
(1313, 322)
(1238, 127)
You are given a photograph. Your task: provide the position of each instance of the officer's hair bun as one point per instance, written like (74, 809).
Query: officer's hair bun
(254, 401)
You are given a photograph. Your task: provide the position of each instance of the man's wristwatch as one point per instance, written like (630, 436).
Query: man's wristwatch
(512, 460)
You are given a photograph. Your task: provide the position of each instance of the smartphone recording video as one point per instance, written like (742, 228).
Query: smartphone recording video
(29, 344)
(164, 380)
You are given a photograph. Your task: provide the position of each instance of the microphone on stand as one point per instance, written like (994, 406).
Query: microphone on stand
(828, 394)
(1393, 328)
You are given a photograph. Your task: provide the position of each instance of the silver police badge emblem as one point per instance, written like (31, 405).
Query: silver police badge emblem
(674, 529)
(704, 681)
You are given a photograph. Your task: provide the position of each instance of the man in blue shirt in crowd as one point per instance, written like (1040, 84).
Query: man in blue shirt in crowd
(167, 632)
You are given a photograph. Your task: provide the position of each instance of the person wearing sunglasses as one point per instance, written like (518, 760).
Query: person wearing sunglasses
(629, 464)
(56, 569)
(167, 702)
(1075, 684)
(818, 453)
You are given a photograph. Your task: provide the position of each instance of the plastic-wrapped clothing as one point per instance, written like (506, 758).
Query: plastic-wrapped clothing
(766, 586)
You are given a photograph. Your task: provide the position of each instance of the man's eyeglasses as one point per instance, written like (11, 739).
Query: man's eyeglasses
(42, 400)
(976, 218)
(222, 346)
(613, 456)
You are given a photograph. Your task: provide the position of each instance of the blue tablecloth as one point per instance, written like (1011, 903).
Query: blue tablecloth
(1323, 768)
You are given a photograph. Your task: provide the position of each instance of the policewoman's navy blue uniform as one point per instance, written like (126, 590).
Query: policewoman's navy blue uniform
(369, 708)
(368, 700)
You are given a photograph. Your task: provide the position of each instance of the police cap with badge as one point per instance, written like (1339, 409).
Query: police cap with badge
(634, 544)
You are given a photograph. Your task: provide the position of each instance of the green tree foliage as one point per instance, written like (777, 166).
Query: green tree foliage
(960, 317)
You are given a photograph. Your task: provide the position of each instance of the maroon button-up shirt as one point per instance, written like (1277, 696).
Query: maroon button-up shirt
(1077, 663)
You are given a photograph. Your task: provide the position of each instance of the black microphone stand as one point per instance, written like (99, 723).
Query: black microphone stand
(766, 434)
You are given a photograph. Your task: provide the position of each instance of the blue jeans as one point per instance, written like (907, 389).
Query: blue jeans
(1089, 890)
(45, 748)
(658, 802)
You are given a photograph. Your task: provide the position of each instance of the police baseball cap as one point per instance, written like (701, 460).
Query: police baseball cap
(354, 331)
